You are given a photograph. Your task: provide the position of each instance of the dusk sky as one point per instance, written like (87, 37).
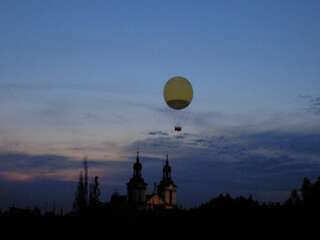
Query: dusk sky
(85, 78)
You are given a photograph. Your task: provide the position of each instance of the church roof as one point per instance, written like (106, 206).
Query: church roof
(167, 167)
(166, 183)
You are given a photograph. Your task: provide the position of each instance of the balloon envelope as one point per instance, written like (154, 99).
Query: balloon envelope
(178, 93)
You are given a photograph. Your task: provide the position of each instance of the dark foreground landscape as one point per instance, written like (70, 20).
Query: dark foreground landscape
(300, 210)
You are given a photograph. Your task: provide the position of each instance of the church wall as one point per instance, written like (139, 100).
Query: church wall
(169, 195)
(136, 195)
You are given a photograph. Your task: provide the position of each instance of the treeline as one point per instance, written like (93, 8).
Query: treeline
(306, 197)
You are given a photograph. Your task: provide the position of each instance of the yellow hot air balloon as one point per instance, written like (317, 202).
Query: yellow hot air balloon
(178, 93)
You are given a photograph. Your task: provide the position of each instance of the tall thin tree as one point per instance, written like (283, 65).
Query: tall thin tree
(80, 202)
(86, 184)
(94, 199)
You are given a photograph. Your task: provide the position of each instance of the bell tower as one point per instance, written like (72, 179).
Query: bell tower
(167, 189)
(137, 187)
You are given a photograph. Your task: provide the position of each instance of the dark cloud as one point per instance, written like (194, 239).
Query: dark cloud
(21, 161)
(158, 133)
(303, 143)
(315, 105)
(44, 180)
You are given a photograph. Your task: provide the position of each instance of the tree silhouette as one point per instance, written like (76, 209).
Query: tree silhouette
(80, 201)
(316, 191)
(294, 199)
(94, 197)
(306, 192)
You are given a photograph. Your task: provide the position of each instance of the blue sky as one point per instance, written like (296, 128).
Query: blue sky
(85, 78)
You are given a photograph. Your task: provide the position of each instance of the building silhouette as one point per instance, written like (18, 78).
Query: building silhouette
(164, 194)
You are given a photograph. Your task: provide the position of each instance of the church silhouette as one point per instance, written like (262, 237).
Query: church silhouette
(164, 194)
